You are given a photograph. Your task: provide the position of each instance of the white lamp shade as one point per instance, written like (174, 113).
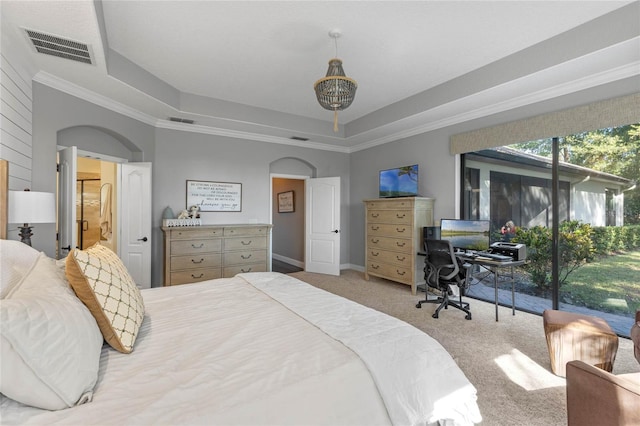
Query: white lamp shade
(31, 207)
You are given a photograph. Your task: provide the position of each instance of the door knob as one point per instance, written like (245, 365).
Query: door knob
(336, 231)
(143, 239)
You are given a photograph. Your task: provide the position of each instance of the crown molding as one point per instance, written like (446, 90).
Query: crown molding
(92, 97)
(197, 128)
(108, 103)
(448, 114)
(608, 76)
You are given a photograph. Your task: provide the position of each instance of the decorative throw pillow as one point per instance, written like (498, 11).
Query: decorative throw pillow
(102, 282)
(49, 342)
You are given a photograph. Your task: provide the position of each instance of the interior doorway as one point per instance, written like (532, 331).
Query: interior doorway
(96, 203)
(288, 218)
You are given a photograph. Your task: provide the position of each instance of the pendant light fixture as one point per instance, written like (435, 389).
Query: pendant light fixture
(336, 91)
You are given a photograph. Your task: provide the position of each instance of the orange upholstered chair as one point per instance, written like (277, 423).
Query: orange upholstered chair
(596, 397)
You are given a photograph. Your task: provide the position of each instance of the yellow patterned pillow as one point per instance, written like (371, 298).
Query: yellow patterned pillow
(104, 285)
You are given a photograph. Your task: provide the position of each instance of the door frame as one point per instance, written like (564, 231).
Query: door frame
(84, 154)
(281, 176)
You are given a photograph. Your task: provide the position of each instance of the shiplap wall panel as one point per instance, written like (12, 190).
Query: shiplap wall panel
(12, 128)
(16, 144)
(16, 89)
(15, 117)
(23, 82)
(16, 104)
(16, 123)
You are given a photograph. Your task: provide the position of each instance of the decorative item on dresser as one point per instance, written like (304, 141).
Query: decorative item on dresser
(394, 237)
(200, 253)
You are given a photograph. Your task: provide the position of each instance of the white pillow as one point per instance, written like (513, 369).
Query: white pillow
(16, 258)
(50, 343)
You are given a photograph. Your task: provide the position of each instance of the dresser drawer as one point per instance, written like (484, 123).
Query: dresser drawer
(244, 257)
(195, 275)
(195, 233)
(196, 261)
(231, 271)
(195, 246)
(388, 243)
(394, 258)
(389, 230)
(245, 243)
(249, 231)
(392, 272)
(389, 216)
(386, 204)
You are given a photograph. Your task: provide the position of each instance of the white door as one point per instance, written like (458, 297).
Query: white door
(67, 228)
(134, 207)
(322, 225)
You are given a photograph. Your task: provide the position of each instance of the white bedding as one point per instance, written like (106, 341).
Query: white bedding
(221, 352)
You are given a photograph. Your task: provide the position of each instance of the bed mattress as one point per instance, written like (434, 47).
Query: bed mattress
(266, 348)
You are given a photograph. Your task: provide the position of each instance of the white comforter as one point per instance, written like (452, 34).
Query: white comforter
(221, 352)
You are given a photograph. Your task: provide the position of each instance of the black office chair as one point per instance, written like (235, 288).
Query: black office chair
(442, 269)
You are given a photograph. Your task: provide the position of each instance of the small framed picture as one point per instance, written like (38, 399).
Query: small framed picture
(285, 202)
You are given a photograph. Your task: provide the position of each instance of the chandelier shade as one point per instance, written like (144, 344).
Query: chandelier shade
(335, 91)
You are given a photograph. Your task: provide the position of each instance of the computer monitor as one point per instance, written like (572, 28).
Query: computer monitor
(466, 234)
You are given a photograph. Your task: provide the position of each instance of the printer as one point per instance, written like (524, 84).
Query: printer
(516, 251)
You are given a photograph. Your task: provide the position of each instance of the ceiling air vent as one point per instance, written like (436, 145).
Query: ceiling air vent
(60, 47)
(181, 120)
(298, 138)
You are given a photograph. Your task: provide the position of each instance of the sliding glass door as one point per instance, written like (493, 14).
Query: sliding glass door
(598, 214)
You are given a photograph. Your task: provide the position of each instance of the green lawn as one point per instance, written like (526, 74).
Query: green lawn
(609, 284)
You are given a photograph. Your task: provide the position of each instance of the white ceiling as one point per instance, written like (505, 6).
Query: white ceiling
(248, 67)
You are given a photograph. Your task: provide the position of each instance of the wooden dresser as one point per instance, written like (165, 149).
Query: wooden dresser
(393, 237)
(199, 253)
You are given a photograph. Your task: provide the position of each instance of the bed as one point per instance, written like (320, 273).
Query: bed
(256, 349)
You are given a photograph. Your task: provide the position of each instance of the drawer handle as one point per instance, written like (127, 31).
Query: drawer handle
(401, 230)
(401, 244)
(401, 259)
(375, 254)
(375, 228)
(375, 215)
(197, 261)
(199, 276)
(375, 266)
(400, 273)
(375, 241)
(200, 246)
(242, 256)
(248, 270)
(401, 216)
(246, 244)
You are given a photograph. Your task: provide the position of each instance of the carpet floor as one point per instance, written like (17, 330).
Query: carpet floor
(507, 361)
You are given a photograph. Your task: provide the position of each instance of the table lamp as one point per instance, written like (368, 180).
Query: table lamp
(31, 207)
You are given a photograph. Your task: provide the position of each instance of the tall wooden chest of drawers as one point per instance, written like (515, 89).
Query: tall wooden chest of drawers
(393, 235)
(199, 253)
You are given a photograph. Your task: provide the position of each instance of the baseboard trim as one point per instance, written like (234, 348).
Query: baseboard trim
(288, 260)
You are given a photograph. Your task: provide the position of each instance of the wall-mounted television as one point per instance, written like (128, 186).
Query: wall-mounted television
(465, 235)
(399, 182)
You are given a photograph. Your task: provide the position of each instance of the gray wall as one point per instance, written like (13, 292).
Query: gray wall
(53, 113)
(182, 156)
(437, 166)
(436, 177)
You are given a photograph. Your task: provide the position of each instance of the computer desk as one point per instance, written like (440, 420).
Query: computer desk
(494, 267)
